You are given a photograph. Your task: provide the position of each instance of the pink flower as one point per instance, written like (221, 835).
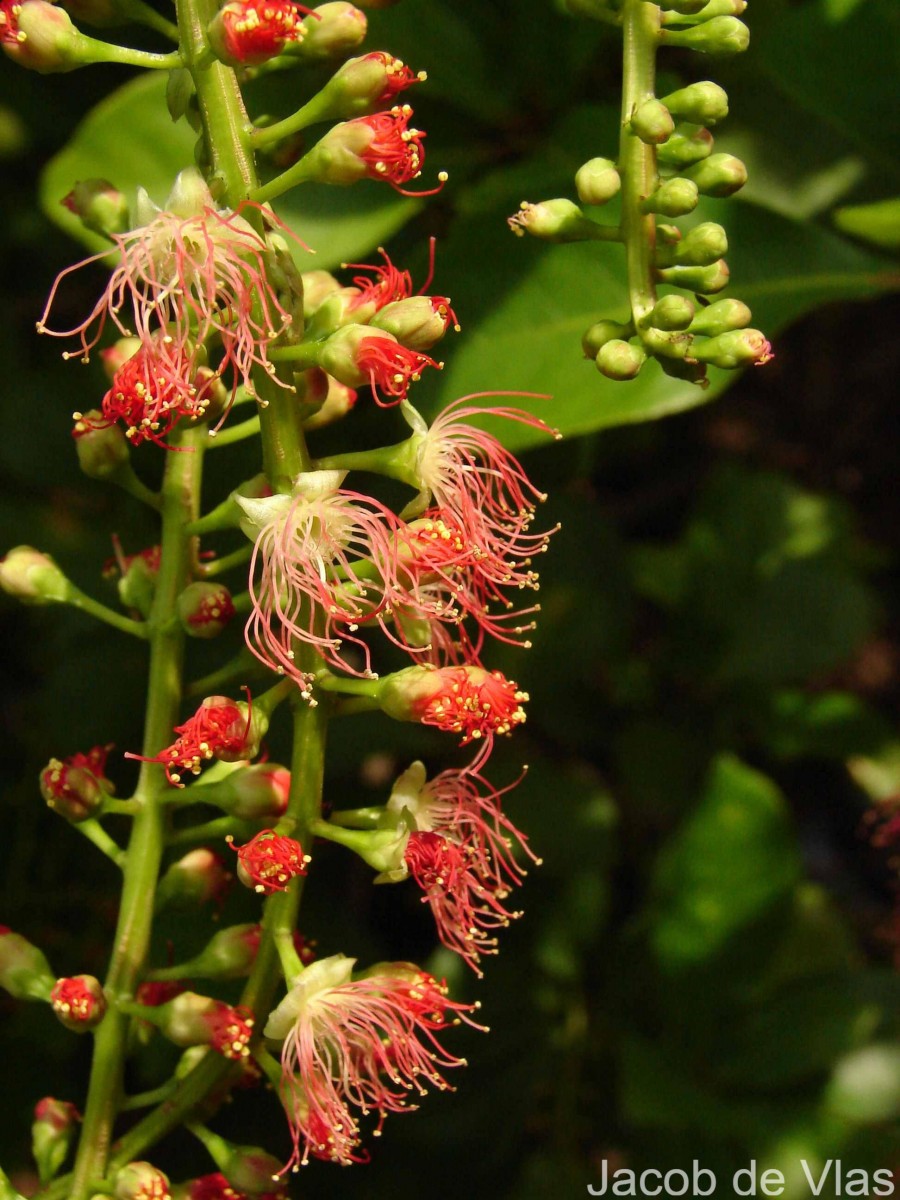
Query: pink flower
(186, 276)
(389, 367)
(268, 862)
(77, 786)
(311, 578)
(365, 1044)
(79, 1002)
(220, 728)
(248, 32)
(392, 150)
(464, 699)
(479, 485)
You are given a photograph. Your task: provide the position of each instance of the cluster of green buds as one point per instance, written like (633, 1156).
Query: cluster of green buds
(666, 163)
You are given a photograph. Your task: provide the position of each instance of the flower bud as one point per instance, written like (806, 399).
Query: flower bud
(552, 221)
(102, 448)
(337, 401)
(137, 584)
(652, 122)
(193, 880)
(249, 32)
(256, 793)
(597, 181)
(205, 609)
(673, 198)
(52, 1133)
(701, 246)
(194, 1020)
(331, 31)
(33, 577)
(737, 348)
(719, 175)
(76, 788)
(100, 205)
(706, 103)
(46, 40)
(602, 332)
(721, 317)
(79, 1003)
(317, 285)
(688, 144)
(141, 1181)
(705, 280)
(418, 322)
(229, 954)
(620, 360)
(672, 312)
(268, 862)
(24, 972)
(115, 357)
(720, 8)
(365, 84)
(687, 371)
(686, 7)
(339, 352)
(249, 1170)
(721, 37)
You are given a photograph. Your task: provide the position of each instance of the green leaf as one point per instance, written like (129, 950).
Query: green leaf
(733, 860)
(339, 224)
(878, 223)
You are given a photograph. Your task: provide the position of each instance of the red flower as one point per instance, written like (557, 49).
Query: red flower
(9, 21)
(268, 862)
(368, 1044)
(77, 786)
(247, 32)
(79, 1002)
(466, 699)
(220, 728)
(393, 151)
(389, 368)
(155, 992)
(217, 1187)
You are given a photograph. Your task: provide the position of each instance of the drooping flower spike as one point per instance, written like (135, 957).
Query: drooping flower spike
(188, 274)
(358, 1046)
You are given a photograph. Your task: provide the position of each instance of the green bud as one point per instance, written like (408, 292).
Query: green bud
(688, 144)
(205, 608)
(673, 198)
(52, 1133)
(229, 954)
(602, 332)
(688, 372)
(706, 103)
(330, 31)
(672, 312)
(356, 88)
(317, 286)
(652, 122)
(718, 8)
(255, 793)
(597, 181)
(24, 972)
(138, 1180)
(137, 587)
(666, 343)
(101, 206)
(720, 175)
(102, 448)
(418, 322)
(46, 41)
(33, 577)
(193, 880)
(704, 280)
(552, 221)
(681, 6)
(721, 37)
(620, 360)
(721, 317)
(79, 1002)
(701, 246)
(737, 348)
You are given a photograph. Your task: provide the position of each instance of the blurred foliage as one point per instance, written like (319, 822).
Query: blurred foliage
(704, 969)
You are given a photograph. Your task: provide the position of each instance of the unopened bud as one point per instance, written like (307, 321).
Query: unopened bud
(688, 144)
(418, 322)
(672, 312)
(719, 175)
(317, 285)
(24, 972)
(102, 448)
(366, 84)
(249, 1170)
(721, 37)
(552, 221)
(52, 1133)
(652, 122)
(79, 1003)
(705, 280)
(687, 371)
(602, 332)
(720, 8)
(77, 787)
(193, 880)
(737, 348)
(335, 400)
(673, 198)
(686, 7)
(33, 577)
(721, 317)
(706, 103)
(700, 247)
(45, 39)
(137, 584)
(115, 357)
(194, 1020)
(141, 1181)
(205, 609)
(229, 954)
(339, 352)
(620, 360)
(331, 31)
(100, 205)
(257, 792)
(597, 181)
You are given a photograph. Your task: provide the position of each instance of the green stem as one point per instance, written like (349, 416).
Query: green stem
(179, 502)
(138, 11)
(129, 482)
(95, 833)
(301, 172)
(92, 50)
(319, 108)
(79, 599)
(218, 566)
(235, 433)
(637, 161)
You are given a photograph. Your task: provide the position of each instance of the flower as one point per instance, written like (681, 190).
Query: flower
(77, 786)
(268, 862)
(476, 482)
(78, 1002)
(220, 728)
(141, 1181)
(310, 576)
(249, 32)
(186, 275)
(464, 699)
(217, 1187)
(378, 146)
(389, 367)
(9, 22)
(367, 1043)
(190, 1019)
